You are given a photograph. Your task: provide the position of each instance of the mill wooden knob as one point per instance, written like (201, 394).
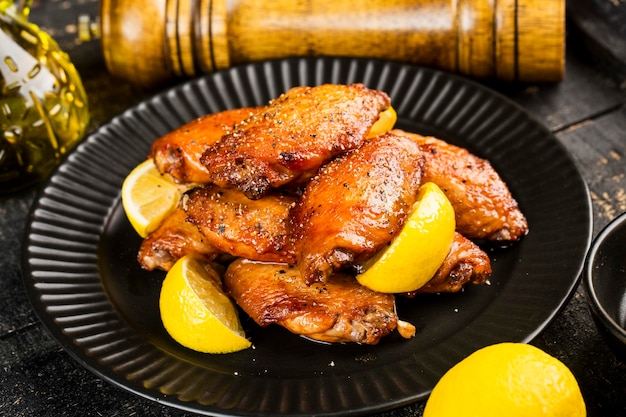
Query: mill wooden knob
(151, 41)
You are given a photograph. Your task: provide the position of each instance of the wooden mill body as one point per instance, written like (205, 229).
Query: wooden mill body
(150, 41)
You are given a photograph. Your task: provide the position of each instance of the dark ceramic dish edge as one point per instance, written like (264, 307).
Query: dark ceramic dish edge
(112, 348)
(603, 318)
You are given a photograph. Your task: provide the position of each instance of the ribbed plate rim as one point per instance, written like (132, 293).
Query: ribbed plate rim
(63, 223)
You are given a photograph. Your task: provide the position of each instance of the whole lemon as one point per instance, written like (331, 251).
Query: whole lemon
(507, 380)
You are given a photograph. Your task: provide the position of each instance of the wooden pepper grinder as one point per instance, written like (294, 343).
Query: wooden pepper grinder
(151, 41)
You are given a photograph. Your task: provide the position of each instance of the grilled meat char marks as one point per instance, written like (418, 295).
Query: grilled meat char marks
(178, 152)
(293, 136)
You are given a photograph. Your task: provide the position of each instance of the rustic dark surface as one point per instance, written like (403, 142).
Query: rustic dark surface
(586, 111)
(603, 23)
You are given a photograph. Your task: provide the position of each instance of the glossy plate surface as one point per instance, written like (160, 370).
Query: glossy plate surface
(87, 288)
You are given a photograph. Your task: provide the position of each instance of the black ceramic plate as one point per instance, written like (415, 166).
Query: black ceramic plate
(85, 284)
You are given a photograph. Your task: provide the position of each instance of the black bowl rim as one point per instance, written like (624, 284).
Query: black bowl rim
(590, 290)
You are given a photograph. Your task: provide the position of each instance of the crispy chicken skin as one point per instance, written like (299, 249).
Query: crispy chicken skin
(466, 264)
(293, 197)
(173, 239)
(339, 310)
(293, 137)
(253, 229)
(484, 206)
(355, 205)
(178, 152)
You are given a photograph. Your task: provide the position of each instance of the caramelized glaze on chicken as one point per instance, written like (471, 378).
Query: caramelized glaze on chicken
(253, 229)
(294, 253)
(293, 137)
(173, 239)
(339, 310)
(466, 264)
(355, 205)
(178, 152)
(483, 204)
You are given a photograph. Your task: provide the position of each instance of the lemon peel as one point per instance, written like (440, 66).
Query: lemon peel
(195, 310)
(507, 379)
(386, 121)
(148, 197)
(417, 252)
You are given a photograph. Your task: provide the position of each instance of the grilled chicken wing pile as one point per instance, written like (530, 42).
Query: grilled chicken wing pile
(294, 194)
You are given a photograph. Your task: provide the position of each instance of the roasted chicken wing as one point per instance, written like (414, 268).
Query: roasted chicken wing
(253, 229)
(355, 205)
(293, 137)
(339, 310)
(484, 206)
(178, 152)
(466, 264)
(173, 239)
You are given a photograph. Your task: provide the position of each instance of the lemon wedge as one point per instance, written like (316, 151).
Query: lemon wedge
(148, 197)
(413, 257)
(507, 379)
(386, 121)
(196, 312)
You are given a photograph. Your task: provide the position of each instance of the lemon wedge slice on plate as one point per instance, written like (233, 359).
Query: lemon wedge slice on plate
(417, 252)
(196, 311)
(148, 197)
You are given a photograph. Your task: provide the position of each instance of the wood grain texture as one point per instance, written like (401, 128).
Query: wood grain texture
(508, 39)
(585, 93)
(603, 25)
(599, 147)
(130, 32)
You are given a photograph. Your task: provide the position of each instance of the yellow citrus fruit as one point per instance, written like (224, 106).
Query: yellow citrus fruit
(196, 312)
(386, 121)
(507, 379)
(148, 197)
(413, 257)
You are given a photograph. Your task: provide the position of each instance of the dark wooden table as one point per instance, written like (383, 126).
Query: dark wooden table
(586, 112)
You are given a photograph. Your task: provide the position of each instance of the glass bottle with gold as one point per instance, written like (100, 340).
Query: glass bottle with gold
(43, 105)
